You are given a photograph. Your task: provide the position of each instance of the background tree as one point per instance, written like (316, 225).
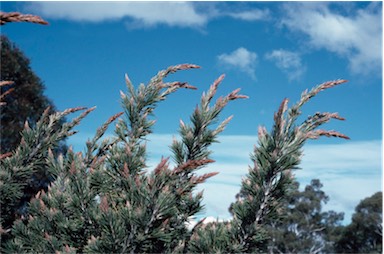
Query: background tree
(27, 101)
(364, 234)
(304, 227)
(23, 102)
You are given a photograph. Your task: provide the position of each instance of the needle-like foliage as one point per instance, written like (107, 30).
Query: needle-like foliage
(106, 200)
(270, 178)
(30, 157)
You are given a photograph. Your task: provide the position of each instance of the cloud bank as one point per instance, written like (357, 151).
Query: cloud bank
(169, 13)
(143, 14)
(352, 34)
(354, 37)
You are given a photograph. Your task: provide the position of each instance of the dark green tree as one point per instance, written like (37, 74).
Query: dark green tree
(364, 234)
(26, 102)
(22, 103)
(304, 227)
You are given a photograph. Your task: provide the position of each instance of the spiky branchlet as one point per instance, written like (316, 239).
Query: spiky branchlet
(192, 151)
(29, 161)
(123, 184)
(7, 17)
(197, 137)
(269, 179)
(276, 155)
(61, 219)
(153, 208)
(139, 105)
(64, 218)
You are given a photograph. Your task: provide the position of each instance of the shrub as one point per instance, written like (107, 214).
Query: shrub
(106, 200)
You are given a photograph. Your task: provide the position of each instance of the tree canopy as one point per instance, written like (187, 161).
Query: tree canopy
(364, 234)
(305, 228)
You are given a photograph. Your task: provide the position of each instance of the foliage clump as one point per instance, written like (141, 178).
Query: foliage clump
(106, 200)
(365, 233)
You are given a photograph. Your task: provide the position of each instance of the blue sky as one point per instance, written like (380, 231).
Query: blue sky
(271, 50)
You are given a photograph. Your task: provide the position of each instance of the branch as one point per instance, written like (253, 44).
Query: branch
(19, 17)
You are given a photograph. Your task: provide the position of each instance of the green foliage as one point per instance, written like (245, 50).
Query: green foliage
(270, 179)
(23, 102)
(105, 200)
(33, 156)
(364, 234)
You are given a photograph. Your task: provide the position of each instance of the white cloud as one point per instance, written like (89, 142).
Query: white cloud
(287, 61)
(147, 14)
(251, 15)
(356, 37)
(142, 14)
(350, 171)
(240, 59)
(346, 156)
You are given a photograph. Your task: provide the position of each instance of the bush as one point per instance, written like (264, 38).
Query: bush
(105, 200)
